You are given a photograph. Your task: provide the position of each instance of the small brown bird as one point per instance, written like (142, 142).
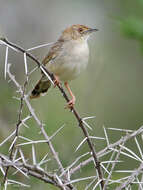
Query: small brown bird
(66, 59)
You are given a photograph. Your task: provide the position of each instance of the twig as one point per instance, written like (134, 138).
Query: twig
(32, 113)
(36, 119)
(112, 168)
(76, 114)
(109, 148)
(17, 126)
(131, 178)
(31, 170)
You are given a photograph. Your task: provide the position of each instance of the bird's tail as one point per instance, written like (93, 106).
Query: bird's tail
(41, 87)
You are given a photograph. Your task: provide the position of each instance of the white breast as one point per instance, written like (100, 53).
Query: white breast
(72, 60)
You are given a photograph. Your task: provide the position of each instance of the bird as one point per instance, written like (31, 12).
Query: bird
(67, 57)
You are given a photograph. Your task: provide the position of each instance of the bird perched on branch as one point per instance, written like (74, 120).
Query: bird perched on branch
(66, 59)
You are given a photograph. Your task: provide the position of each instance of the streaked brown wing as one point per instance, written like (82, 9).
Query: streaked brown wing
(54, 52)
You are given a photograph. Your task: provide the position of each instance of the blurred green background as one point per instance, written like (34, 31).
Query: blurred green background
(111, 87)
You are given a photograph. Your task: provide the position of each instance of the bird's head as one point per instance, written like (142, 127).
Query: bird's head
(77, 32)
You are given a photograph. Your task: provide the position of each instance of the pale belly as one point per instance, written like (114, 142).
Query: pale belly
(70, 63)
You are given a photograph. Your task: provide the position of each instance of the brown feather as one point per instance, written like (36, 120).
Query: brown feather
(53, 53)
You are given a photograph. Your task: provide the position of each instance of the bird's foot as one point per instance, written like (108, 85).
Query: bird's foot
(71, 103)
(56, 81)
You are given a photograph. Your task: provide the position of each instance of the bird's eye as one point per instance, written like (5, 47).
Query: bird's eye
(80, 29)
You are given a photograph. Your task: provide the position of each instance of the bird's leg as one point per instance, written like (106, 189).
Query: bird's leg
(72, 101)
(56, 81)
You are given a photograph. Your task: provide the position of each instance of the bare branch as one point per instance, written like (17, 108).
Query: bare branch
(109, 148)
(62, 176)
(131, 178)
(77, 116)
(12, 147)
(36, 119)
(40, 46)
(31, 170)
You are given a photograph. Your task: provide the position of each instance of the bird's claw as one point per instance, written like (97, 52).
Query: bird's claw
(70, 104)
(56, 81)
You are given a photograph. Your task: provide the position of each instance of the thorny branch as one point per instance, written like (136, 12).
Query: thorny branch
(112, 168)
(17, 129)
(77, 116)
(25, 98)
(131, 178)
(109, 148)
(31, 170)
(61, 177)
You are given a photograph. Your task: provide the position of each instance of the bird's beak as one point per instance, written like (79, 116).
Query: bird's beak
(89, 31)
